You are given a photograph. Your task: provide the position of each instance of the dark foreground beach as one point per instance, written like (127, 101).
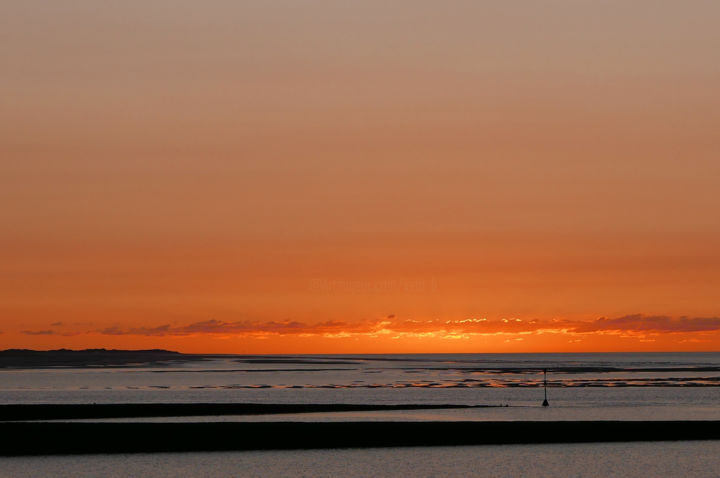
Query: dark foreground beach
(35, 438)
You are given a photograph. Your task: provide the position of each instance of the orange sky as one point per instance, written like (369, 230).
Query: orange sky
(321, 176)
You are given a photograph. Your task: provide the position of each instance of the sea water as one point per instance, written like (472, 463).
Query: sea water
(617, 460)
(637, 386)
(627, 386)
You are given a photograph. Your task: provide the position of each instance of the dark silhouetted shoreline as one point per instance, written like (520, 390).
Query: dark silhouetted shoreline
(65, 358)
(28, 412)
(37, 438)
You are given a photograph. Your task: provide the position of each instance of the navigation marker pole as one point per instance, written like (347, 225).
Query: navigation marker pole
(545, 402)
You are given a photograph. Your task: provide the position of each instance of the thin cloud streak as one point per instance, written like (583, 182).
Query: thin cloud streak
(659, 323)
(39, 332)
(635, 323)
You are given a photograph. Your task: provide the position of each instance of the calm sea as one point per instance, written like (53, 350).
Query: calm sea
(663, 386)
(636, 386)
(616, 460)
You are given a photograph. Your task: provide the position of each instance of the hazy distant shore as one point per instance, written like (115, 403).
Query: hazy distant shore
(102, 358)
(28, 359)
(17, 438)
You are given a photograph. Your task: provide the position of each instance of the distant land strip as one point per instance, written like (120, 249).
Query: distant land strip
(30, 412)
(64, 358)
(40, 438)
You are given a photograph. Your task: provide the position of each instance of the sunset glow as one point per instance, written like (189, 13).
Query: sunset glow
(357, 177)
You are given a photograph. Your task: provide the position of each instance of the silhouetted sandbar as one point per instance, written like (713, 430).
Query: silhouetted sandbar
(34, 438)
(28, 412)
